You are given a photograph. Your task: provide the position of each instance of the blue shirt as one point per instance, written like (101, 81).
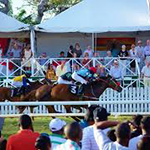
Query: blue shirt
(84, 124)
(84, 72)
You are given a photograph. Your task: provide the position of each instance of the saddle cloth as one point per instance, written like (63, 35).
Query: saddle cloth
(76, 89)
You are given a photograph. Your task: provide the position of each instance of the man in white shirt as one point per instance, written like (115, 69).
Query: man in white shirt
(122, 133)
(140, 54)
(116, 71)
(88, 140)
(146, 73)
(145, 125)
(147, 49)
(89, 51)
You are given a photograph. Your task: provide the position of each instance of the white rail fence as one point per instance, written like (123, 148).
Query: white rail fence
(130, 101)
(10, 68)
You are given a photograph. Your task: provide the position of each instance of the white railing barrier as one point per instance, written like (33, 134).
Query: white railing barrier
(37, 67)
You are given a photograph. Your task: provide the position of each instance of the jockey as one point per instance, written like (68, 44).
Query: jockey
(65, 78)
(84, 75)
(21, 81)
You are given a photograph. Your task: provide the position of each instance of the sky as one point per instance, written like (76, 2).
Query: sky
(17, 4)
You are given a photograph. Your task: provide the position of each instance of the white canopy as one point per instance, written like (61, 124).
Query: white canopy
(96, 16)
(9, 24)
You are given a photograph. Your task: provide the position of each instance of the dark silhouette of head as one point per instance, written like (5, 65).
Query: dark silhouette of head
(43, 143)
(25, 122)
(144, 143)
(73, 132)
(145, 125)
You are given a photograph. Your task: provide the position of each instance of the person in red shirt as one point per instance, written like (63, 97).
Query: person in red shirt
(25, 138)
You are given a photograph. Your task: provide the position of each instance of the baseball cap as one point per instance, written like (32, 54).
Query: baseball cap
(100, 114)
(56, 124)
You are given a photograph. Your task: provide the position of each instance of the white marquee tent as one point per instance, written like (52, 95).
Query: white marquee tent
(10, 27)
(96, 16)
(121, 18)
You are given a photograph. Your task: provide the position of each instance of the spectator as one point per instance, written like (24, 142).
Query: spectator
(116, 71)
(86, 61)
(25, 138)
(136, 126)
(144, 143)
(115, 48)
(88, 118)
(146, 73)
(3, 143)
(123, 52)
(61, 69)
(17, 55)
(101, 70)
(96, 55)
(50, 74)
(108, 60)
(122, 134)
(27, 54)
(56, 126)
(77, 50)
(88, 140)
(89, 51)
(140, 54)
(145, 125)
(43, 143)
(147, 49)
(62, 54)
(70, 52)
(133, 55)
(1, 52)
(43, 59)
(73, 133)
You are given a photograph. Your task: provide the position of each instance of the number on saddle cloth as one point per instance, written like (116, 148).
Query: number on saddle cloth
(76, 89)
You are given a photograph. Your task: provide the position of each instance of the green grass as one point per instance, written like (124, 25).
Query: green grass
(41, 124)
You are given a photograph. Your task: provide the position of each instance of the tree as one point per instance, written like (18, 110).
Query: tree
(5, 6)
(53, 6)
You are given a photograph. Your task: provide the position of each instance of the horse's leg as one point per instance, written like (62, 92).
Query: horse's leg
(31, 110)
(51, 109)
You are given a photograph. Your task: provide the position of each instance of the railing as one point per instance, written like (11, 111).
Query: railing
(14, 67)
(130, 101)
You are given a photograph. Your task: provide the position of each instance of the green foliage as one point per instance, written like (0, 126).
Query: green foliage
(23, 17)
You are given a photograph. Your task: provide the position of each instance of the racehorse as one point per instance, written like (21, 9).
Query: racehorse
(61, 92)
(6, 93)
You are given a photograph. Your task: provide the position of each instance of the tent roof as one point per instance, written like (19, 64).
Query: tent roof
(9, 24)
(96, 16)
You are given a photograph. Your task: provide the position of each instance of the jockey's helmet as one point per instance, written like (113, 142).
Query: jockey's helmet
(93, 69)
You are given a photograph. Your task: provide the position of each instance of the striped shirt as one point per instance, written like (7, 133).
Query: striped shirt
(88, 140)
(56, 139)
(68, 145)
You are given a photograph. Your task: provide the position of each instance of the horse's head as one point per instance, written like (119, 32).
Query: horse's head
(113, 84)
(110, 82)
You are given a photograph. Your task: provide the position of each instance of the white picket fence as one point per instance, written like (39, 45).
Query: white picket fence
(129, 102)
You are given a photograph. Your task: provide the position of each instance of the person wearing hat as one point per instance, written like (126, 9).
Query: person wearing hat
(88, 141)
(21, 81)
(116, 71)
(88, 118)
(56, 126)
(140, 54)
(145, 125)
(84, 75)
(25, 138)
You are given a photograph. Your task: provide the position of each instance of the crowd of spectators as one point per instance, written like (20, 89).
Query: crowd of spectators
(94, 132)
(118, 63)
